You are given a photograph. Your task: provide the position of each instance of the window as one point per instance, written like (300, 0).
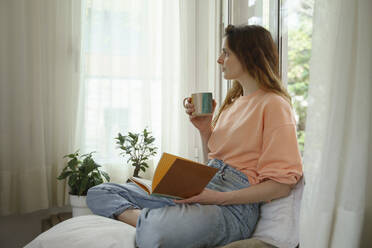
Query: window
(290, 23)
(121, 74)
(298, 15)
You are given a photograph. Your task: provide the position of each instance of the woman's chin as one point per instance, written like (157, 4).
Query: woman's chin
(226, 77)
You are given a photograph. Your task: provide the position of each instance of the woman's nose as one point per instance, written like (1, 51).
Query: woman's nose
(220, 60)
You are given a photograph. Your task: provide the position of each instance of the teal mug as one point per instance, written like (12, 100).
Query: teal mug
(203, 103)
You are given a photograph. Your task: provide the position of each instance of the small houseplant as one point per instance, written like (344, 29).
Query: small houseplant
(82, 173)
(138, 148)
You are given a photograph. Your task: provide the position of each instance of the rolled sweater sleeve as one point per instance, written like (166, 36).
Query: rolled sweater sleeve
(280, 159)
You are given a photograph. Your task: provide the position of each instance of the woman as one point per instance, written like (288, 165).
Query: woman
(252, 141)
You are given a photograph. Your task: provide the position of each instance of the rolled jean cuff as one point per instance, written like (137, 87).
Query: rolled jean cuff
(119, 210)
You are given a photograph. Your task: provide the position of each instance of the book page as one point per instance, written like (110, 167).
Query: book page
(145, 184)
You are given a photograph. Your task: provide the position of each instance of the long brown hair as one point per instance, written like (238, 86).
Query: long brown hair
(258, 54)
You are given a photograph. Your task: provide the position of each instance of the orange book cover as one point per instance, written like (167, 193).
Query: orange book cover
(177, 177)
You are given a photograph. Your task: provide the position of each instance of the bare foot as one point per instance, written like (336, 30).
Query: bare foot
(130, 216)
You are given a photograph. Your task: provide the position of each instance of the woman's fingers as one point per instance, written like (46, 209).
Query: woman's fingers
(190, 110)
(189, 107)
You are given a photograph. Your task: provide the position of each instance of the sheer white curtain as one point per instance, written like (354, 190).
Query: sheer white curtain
(131, 79)
(39, 52)
(337, 205)
(199, 72)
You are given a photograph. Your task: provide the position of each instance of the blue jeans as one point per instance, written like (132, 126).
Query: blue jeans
(162, 223)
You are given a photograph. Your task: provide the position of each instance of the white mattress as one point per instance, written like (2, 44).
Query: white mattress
(91, 231)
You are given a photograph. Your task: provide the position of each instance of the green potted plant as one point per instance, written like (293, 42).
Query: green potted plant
(138, 148)
(82, 173)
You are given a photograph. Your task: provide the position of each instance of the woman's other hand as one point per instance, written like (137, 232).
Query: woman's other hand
(202, 123)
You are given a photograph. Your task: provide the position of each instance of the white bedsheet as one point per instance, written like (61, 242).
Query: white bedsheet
(91, 231)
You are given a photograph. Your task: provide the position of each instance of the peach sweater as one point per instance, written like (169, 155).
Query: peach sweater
(256, 134)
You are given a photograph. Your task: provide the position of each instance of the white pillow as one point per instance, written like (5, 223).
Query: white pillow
(87, 231)
(279, 221)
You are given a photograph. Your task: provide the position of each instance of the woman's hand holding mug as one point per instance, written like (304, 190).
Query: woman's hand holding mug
(200, 108)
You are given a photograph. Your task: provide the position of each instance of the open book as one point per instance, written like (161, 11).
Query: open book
(177, 178)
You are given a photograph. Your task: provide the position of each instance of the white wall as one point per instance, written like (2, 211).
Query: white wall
(18, 230)
(366, 239)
